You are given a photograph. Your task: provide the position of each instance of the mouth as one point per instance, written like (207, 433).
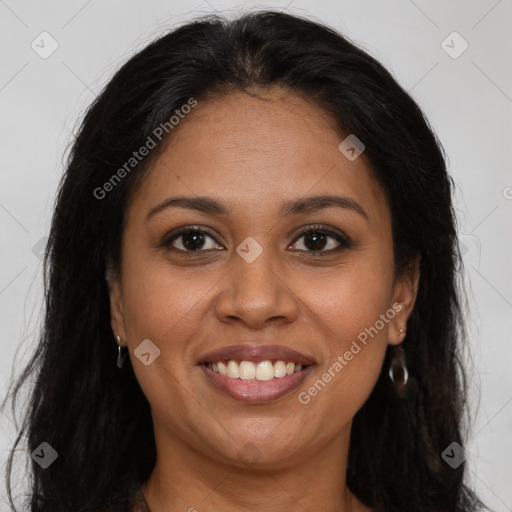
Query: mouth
(256, 374)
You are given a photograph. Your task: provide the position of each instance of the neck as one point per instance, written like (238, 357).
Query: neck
(185, 479)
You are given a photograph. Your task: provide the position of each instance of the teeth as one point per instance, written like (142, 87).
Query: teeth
(247, 370)
(232, 370)
(279, 369)
(223, 369)
(264, 370)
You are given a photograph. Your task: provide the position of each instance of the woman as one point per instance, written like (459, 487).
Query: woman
(251, 297)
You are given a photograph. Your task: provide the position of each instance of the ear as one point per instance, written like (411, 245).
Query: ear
(116, 305)
(404, 297)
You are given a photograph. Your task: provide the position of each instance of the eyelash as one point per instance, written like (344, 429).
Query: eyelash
(342, 239)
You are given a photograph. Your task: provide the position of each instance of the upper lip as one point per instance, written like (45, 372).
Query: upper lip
(256, 353)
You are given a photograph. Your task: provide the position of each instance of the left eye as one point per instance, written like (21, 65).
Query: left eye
(316, 240)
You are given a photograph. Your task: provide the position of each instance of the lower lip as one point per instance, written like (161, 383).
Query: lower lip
(256, 391)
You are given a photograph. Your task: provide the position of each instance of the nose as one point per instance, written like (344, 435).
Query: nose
(256, 293)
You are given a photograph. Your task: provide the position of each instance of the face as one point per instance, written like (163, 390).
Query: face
(251, 277)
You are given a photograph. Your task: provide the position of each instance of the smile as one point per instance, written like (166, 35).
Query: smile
(256, 373)
(253, 383)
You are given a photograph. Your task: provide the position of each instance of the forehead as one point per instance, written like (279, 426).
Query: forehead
(254, 151)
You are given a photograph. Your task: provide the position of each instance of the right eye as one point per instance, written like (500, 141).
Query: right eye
(191, 239)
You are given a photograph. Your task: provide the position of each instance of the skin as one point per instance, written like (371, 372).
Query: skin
(253, 154)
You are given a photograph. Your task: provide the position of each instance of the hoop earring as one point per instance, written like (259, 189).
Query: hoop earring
(398, 372)
(121, 357)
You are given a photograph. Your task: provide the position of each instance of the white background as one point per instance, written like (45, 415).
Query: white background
(468, 101)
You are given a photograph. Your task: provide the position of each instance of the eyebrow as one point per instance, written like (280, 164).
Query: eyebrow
(308, 204)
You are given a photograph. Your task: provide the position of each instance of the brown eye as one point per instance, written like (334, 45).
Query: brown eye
(191, 240)
(321, 240)
(315, 241)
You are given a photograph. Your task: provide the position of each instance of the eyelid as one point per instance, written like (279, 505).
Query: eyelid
(335, 233)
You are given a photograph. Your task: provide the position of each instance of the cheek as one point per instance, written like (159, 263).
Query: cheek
(352, 299)
(162, 301)
(166, 307)
(353, 354)
(354, 312)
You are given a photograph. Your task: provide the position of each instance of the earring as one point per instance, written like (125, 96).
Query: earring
(121, 357)
(398, 369)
